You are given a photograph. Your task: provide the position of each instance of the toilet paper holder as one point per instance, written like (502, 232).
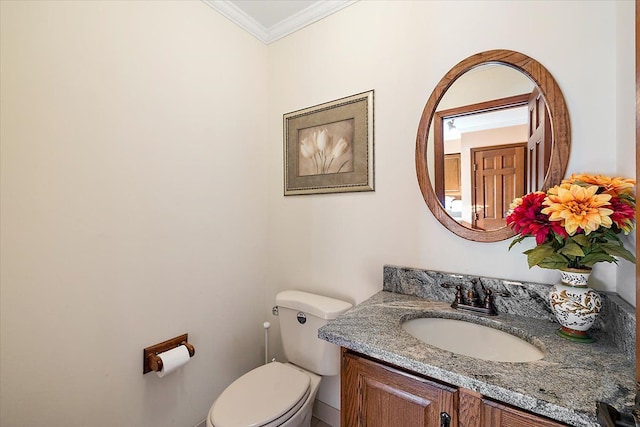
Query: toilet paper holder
(150, 359)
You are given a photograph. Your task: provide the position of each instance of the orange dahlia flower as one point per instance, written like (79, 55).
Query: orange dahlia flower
(578, 207)
(610, 185)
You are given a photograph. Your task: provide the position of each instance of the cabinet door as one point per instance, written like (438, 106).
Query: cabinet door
(376, 395)
(498, 415)
(452, 175)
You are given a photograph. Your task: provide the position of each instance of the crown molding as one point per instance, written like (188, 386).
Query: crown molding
(239, 17)
(293, 23)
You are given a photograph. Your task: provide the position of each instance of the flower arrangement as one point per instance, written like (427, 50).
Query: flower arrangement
(576, 224)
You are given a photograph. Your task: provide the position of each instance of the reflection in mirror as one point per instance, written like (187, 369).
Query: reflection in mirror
(494, 128)
(480, 136)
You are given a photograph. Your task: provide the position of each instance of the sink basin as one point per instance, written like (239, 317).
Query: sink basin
(471, 339)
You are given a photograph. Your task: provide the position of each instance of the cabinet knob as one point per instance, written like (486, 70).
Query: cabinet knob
(445, 419)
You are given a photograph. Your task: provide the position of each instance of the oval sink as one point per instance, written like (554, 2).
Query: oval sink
(471, 339)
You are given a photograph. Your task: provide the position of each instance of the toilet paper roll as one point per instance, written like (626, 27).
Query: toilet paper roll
(173, 359)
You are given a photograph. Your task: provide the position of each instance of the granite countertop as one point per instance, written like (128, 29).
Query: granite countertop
(564, 385)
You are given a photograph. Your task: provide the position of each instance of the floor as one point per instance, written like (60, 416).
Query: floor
(317, 423)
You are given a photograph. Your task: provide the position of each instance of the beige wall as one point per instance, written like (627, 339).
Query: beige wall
(142, 181)
(625, 120)
(133, 209)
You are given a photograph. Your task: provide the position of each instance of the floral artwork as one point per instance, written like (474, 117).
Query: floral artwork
(326, 149)
(576, 224)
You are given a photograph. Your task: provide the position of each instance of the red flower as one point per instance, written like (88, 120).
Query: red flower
(623, 214)
(527, 219)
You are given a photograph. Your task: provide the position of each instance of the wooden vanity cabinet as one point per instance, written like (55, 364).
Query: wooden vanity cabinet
(375, 394)
(500, 415)
(474, 410)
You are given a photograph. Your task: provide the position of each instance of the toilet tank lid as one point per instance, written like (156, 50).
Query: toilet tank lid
(316, 305)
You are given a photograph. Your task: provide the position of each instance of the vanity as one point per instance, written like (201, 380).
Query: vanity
(395, 373)
(389, 377)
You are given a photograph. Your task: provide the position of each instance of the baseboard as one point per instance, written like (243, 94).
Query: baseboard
(202, 423)
(326, 413)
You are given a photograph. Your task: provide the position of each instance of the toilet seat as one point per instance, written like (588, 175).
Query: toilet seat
(264, 397)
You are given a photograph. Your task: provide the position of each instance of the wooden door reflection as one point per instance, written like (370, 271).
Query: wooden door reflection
(498, 177)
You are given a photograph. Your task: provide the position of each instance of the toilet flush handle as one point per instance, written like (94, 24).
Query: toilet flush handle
(302, 318)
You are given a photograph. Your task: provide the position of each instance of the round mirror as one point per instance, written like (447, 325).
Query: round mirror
(495, 128)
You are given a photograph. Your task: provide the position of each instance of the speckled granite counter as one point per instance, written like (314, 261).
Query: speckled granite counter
(564, 385)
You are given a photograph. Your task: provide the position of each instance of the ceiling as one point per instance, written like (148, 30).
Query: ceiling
(270, 20)
(483, 121)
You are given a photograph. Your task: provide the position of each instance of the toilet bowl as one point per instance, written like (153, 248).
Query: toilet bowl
(282, 394)
(275, 394)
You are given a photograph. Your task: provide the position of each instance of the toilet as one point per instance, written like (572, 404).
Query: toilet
(282, 394)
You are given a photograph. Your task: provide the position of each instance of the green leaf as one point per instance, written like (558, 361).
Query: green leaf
(618, 251)
(536, 255)
(517, 239)
(581, 239)
(610, 234)
(554, 261)
(595, 257)
(559, 238)
(553, 265)
(571, 249)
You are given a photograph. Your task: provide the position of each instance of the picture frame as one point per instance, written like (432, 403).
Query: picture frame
(328, 148)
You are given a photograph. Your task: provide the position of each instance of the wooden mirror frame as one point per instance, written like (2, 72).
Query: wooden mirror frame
(560, 129)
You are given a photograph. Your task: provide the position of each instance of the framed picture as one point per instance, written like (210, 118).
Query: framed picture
(328, 148)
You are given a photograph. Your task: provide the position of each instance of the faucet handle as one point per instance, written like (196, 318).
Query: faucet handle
(488, 303)
(472, 297)
(487, 298)
(459, 298)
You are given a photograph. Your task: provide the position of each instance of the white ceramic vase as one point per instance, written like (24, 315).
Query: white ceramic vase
(575, 305)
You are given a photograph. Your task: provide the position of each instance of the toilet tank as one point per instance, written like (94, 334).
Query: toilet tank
(301, 314)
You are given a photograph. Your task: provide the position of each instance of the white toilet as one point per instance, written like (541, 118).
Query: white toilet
(282, 394)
